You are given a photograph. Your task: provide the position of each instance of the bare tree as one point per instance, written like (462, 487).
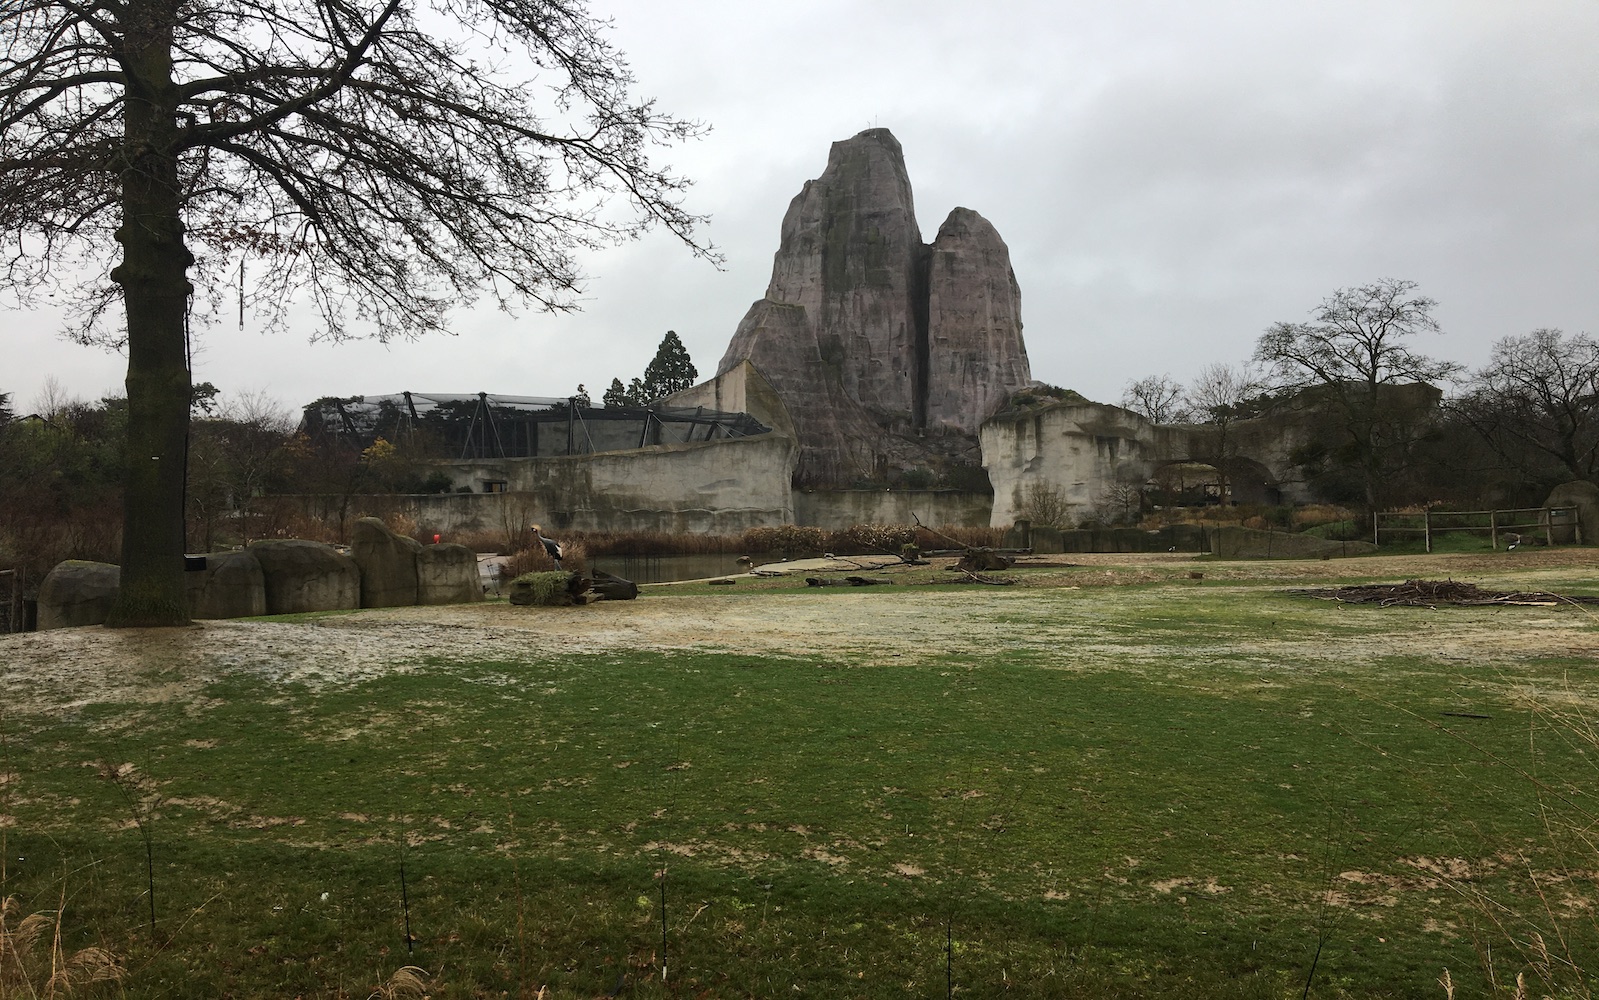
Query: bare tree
(1536, 403)
(1159, 397)
(1348, 358)
(1044, 505)
(1221, 395)
(385, 159)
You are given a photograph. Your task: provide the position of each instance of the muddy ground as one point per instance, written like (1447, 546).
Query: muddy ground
(1077, 618)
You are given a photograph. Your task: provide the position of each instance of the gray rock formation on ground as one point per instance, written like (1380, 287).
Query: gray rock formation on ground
(77, 592)
(232, 585)
(302, 575)
(447, 574)
(388, 564)
(845, 333)
(1584, 496)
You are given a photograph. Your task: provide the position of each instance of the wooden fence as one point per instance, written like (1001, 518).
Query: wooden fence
(11, 606)
(1518, 522)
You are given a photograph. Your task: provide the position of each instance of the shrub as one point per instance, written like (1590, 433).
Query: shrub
(574, 557)
(787, 538)
(547, 588)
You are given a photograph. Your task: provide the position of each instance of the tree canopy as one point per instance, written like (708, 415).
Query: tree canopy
(1350, 357)
(382, 160)
(670, 370)
(1536, 403)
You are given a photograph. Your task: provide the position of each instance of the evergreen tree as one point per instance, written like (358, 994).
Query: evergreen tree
(581, 397)
(671, 370)
(617, 395)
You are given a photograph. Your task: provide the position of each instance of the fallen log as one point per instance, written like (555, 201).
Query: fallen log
(982, 560)
(563, 589)
(848, 581)
(614, 588)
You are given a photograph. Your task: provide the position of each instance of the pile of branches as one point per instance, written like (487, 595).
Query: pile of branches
(1432, 593)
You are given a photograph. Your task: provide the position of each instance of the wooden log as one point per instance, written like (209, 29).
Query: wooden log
(613, 588)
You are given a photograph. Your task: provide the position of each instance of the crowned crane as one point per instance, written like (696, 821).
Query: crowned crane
(550, 545)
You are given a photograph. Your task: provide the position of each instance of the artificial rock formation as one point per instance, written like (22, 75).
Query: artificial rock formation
(976, 357)
(303, 576)
(77, 592)
(447, 574)
(873, 339)
(388, 564)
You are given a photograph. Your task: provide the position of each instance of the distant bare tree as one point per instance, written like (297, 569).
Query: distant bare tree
(1537, 403)
(1346, 360)
(1158, 397)
(1045, 506)
(1119, 503)
(1221, 395)
(375, 157)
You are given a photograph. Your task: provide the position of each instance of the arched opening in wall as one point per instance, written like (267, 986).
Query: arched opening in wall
(1185, 484)
(1189, 483)
(1250, 482)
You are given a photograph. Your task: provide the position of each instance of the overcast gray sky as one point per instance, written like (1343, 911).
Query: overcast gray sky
(1171, 176)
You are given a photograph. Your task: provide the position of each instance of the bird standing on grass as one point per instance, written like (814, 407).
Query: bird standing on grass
(550, 545)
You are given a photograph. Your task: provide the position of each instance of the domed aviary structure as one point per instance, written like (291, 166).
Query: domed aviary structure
(888, 353)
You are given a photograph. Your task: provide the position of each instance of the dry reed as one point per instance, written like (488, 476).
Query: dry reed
(33, 962)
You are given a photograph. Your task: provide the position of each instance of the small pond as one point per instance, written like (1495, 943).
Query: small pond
(666, 569)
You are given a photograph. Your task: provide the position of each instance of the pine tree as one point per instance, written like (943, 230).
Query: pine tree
(617, 395)
(671, 370)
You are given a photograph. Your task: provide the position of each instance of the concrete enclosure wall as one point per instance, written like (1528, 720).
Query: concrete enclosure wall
(842, 508)
(1085, 449)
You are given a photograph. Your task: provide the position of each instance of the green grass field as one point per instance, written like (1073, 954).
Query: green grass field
(1155, 789)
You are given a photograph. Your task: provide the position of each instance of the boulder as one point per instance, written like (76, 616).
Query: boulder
(447, 574)
(231, 585)
(77, 592)
(304, 576)
(388, 564)
(1584, 496)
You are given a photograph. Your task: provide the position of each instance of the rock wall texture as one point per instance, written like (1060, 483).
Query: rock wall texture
(1080, 451)
(387, 562)
(303, 576)
(887, 353)
(976, 357)
(77, 592)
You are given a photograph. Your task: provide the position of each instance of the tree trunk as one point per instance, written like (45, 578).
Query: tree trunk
(155, 292)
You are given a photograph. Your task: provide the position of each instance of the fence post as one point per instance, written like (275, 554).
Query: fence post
(1493, 529)
(1376, 532)
(1548, 528)
(1426, 528)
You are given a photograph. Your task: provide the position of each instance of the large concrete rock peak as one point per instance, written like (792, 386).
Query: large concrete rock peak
(976, 357)
(844, 331)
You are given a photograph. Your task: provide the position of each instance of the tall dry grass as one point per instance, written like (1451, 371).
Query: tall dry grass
(35, 964)
(1542, 940)
(574, 557)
